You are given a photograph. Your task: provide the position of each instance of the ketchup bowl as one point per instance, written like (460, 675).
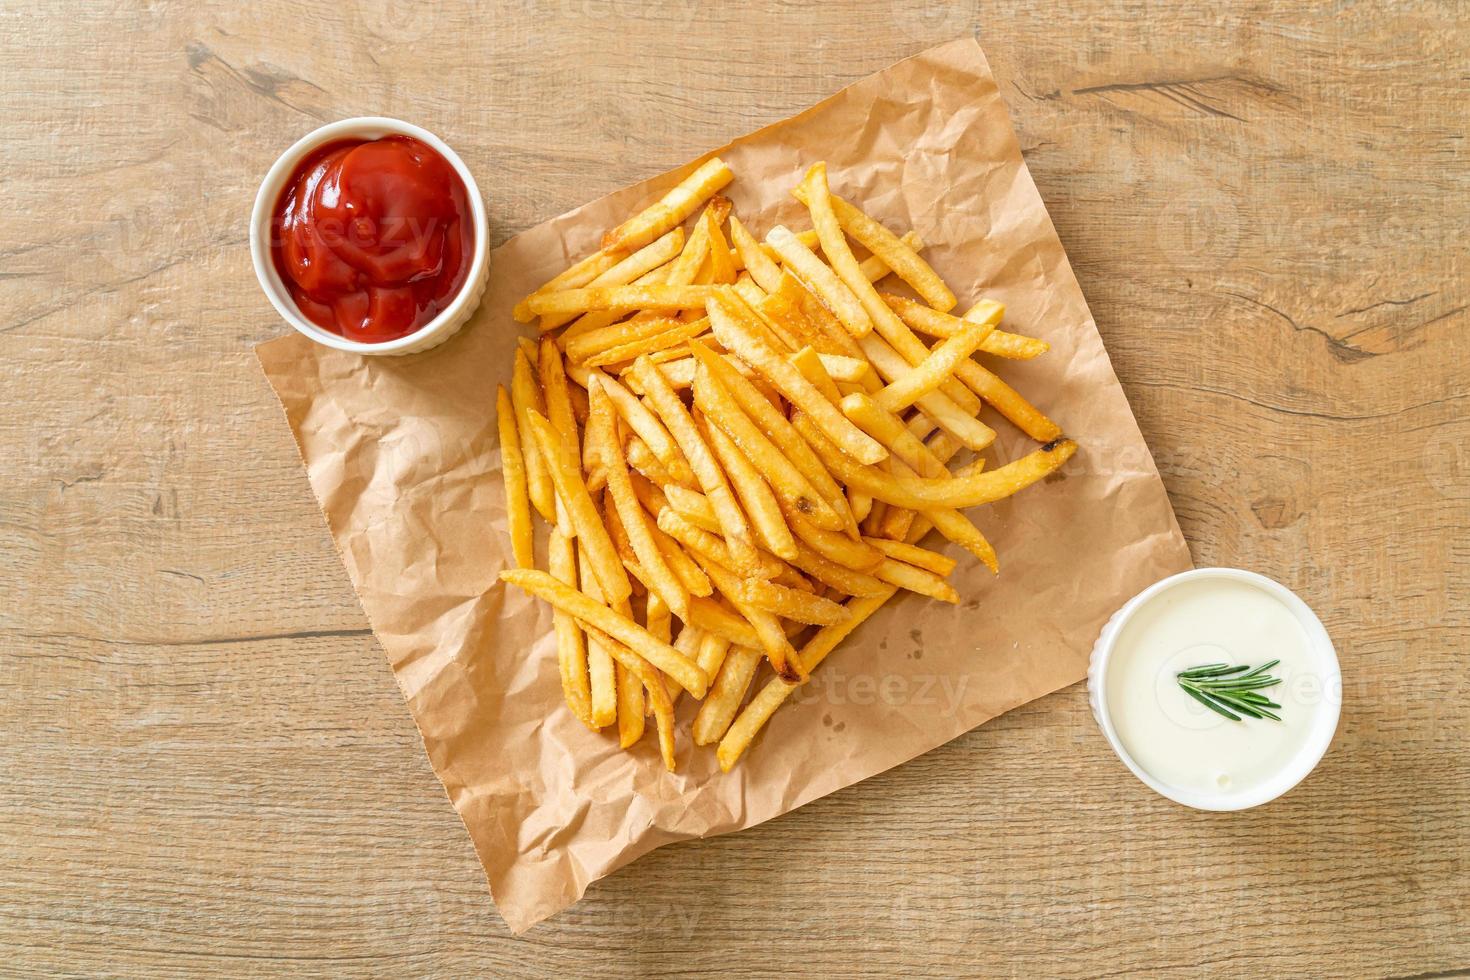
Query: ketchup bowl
(435, 282)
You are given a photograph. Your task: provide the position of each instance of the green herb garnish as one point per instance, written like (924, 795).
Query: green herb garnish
(1224, 689)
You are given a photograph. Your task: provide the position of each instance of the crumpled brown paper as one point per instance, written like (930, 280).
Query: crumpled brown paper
(402, 454)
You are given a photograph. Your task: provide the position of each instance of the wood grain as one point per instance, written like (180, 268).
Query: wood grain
(207, 769)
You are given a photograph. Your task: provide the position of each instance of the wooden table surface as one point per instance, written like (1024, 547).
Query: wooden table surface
(206, 767)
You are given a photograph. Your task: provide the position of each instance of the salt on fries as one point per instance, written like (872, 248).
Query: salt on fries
(750, 438)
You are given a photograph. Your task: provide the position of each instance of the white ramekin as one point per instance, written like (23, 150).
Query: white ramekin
(431, 334)
(1325, 722)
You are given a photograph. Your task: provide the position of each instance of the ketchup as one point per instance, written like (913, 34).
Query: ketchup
(373, 238)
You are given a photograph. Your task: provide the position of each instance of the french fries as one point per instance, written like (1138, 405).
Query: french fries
(634, 519)
(630, 269)
(592, 613)
(933, 370)
(712, 479)
(740, 443)
(895, 253)
(730, 319)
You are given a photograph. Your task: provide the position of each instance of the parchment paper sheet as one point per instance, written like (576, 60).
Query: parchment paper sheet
(402, 455)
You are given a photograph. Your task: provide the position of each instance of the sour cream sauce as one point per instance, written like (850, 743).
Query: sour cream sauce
(1184, 744)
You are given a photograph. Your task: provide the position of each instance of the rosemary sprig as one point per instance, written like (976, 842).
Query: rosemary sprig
(1227, 690)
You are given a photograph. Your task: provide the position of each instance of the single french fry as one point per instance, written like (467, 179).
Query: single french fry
(654, 297)
(730, 319)
(874, 268)
(898, 255)
(579, 274)
(558, 401)
(711, 478)
(571, 653)
(765, 272)
(725, 694)
(755, 715)
(919, 493)
(561, 415)
(912, 554)
(1008, 402)
(933, 370)
(670, 210)
(803, 607)
(646, 425)
(525, 394)
(633, 518)
(754, 493)
(622, 628)
(776, 426)
(807, 238)
(627, 270)
(790, 483)
(685, 270)
(822, 280)
(513, 472)
(671, 338)
(590, 529)
(630, 705)
(601, 671)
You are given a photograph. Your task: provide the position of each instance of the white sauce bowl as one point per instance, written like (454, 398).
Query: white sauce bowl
(1324, 717)
(431, 334)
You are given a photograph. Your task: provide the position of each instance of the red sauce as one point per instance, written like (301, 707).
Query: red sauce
(373, 238)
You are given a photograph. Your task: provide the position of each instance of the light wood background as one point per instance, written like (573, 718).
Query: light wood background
(205, 767)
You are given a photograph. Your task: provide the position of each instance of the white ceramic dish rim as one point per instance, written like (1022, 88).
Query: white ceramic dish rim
(1324, 723)
(364, 127)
